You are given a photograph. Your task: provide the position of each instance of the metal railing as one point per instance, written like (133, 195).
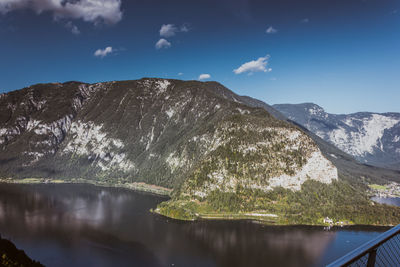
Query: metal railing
(384, 250)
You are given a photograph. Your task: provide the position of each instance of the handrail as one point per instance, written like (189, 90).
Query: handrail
(367, 248)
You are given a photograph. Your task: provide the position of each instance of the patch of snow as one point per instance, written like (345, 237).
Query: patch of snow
(365, 138)
(316, 111)
(349, 122)
(320, 134)
(395, 139)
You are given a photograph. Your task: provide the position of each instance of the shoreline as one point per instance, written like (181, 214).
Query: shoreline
(227, 217)
(256, 216)
(135, 186)
(261, 220)
(264, 218)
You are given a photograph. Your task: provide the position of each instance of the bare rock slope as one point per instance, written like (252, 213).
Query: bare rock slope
(371, 138)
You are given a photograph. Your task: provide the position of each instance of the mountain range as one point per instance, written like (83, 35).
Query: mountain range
(371, 138)
(221, 154)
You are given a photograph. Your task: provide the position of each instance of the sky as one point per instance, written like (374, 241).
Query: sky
(343, 55)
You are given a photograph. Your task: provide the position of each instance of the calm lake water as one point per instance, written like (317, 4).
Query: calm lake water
(84, 225)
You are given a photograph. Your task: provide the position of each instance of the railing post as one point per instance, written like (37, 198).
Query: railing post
(370, 248)
(371, 258)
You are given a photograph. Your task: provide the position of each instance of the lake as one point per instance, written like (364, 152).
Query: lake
(84, 225)
(394, 201)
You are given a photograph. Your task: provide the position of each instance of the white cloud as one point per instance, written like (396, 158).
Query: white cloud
(72, 27)
(168, 30)
(162, 43)
(95, 11)
(103, 52)
(271, 30)
(259, 65)
(185, 28)
(204, 76)
(180, 73)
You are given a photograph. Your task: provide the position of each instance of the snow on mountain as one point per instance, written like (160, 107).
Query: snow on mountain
(365, 136)
(370, 137)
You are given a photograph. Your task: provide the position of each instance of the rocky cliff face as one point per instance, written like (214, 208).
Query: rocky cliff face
(155, 131)
(371, 138)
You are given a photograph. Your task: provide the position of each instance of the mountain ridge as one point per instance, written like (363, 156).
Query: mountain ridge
(372, 138)
(211, 146)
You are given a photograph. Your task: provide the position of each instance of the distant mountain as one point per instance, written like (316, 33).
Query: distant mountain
(218, 152)
(372, 138)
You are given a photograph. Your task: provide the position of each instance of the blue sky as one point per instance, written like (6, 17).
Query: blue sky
(343, 55)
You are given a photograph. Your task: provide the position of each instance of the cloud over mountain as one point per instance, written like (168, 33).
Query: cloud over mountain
(204, 76)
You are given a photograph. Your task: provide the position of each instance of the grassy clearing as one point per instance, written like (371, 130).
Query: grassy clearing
(378, 187)
(194, 210)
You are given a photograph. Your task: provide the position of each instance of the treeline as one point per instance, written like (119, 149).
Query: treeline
(339, 201)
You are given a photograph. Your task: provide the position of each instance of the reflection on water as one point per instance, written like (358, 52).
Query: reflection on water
(248, 244)
(83, 225)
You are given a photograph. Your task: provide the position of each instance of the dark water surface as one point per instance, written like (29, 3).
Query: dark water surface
(84, 225)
